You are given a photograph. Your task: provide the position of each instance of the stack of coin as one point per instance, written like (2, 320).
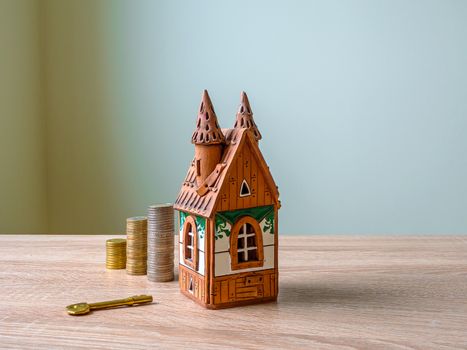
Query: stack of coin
(115, 257)
(136, 246)
(161, 243)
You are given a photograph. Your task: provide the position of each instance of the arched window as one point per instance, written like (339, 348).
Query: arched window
(190, 243)
(246, 244)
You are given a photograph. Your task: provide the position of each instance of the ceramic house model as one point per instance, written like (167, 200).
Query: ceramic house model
(228, 208)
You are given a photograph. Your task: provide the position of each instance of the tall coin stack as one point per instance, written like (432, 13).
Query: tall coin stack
(115, 257)
(161, 243)
(137, 245)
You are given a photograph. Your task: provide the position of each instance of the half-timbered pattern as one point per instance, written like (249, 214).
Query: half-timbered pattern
(228, 207)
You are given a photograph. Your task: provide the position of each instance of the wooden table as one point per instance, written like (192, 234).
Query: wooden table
(335, 293)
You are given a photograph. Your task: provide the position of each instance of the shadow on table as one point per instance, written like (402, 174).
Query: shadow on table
(343, 294)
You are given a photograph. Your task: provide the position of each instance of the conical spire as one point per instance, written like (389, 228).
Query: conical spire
(207, 130)
(245, 117)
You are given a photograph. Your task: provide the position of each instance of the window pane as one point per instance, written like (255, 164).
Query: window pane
(241, 243)
(188, 237)
(252, 255)
(189, 240)
(188, 254)
(244, 189)
(251, 241)
(247, 249)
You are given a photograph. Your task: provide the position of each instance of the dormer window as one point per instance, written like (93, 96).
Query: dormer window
(244, 189)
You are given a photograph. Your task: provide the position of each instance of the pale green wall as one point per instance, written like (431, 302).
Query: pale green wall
(109, 151)
(362, 105)
(22, 156)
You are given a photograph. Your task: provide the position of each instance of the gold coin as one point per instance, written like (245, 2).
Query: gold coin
(115, 253)
(116, 241)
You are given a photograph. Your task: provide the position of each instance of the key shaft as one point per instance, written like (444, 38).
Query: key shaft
(136, 299)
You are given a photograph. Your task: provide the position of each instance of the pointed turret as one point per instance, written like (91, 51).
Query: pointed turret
(207, 130)
(245, 117)
(208, 139)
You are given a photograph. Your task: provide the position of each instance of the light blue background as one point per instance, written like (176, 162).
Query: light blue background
(362, 104)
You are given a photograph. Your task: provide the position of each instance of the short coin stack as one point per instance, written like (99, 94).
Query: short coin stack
(115, 257)
(136, 247)
(161, 243)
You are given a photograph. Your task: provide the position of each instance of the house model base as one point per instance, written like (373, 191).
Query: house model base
(228, 207)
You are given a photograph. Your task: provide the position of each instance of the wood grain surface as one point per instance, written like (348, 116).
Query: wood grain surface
(335, 293)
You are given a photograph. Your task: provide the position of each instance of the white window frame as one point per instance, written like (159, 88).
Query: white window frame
(244, 183)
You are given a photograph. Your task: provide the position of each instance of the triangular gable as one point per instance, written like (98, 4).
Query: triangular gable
(244, 139)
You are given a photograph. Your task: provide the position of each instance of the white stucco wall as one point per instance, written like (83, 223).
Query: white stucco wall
(201, 249)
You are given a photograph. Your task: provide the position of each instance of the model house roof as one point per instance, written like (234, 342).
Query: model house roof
(245, 117)
(207, 130)
(203, 201)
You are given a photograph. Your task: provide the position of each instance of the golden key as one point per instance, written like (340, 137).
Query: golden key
(84, 308)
